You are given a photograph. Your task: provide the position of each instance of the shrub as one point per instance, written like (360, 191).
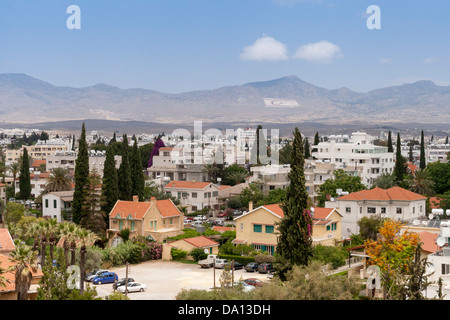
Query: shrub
(197, 254)
(263, 258)
(178, 254)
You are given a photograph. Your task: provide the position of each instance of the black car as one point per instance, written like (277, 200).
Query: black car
(265, 268)
(238, 266)
(121, 282)
(252, 267)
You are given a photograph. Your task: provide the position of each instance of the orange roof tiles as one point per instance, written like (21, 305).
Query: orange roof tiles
(6, 242)
(167, 208)
(322, 213)
(378, 194)
(125, 208)
(222, 229)
(187, 184)
(6, 263)
(435, 203)
(429, 241)
(275, 208)
(37, 163)
(201, 241)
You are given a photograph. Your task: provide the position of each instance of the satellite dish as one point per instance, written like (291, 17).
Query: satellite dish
(440, 241)
(430, 216)
(416, 222)
(332, 199)
(425, 223)
(206, 251)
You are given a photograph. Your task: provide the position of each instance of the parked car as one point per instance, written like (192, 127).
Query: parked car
(106, 277)
(200, 218)
(133, 287)
(217, 223)
(209, 261)
(254, 282)
(265, 268)
(244, 285)
(121, 282)
(94, 273)
(237, 265)
(220, 263)
(222, 215)
(237, 213)
(252, 267)
(196, 224)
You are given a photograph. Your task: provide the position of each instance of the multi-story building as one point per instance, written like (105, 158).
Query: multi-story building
(358, 153)
(271, 176)
(195, 195)
(395, 203)
(40, 151)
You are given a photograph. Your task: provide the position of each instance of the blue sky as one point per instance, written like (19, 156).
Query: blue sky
(182, 45)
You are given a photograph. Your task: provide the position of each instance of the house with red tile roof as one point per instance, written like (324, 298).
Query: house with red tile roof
(394, 203)
(200, 242)
(155, 219)
(195, 195)
(258, 227)
(6, 242)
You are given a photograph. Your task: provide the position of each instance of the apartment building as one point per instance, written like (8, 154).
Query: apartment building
(40, 151)
(271, 176)
(356, 152)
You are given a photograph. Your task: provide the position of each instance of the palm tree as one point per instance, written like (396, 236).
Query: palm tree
(59, 180)
(420, 182)
(15, 169)
(85, 237)
(67, 230)
(237, 176)
(53, 232)
(24, 258)
(44, 235)
(384, 181)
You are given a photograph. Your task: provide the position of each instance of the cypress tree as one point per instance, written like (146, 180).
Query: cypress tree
(446, 140)
(93, 218)
(400, 162)
(137, 174)
(294, 245)
(259, 149)
(24, 179)
(81, 177)
(125, 183)
(307, 149)
(390, 147)
(114, 139)
(110, 186)
(316, 141)
(422, 151)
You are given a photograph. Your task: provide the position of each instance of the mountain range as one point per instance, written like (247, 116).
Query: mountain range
(24, 99)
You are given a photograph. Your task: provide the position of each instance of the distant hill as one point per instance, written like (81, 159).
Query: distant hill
(29, 100)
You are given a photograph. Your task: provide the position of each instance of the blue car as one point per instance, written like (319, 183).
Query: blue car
(106, 277)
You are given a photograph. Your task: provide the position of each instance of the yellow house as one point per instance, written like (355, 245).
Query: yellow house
(156, 219)
(258, 227)
(200, 242)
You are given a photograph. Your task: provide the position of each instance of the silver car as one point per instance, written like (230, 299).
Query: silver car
(133, 287)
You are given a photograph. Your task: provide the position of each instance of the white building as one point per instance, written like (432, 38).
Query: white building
(395, 203)
(271, 176)
(358, 153)
(56, 204)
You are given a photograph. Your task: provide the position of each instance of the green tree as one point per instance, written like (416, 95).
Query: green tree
(307, 149)
(384, 181)
(369, 226)
(420, 182)
(59, 180)
(234, 174)
(24, 259)
(440, 174)
(400, 169)
(342, 180)
(422, 151)
(24, 179)
(258, 155)
(390, 146)
(294, 246)
(286, 153)
(93, 217)
(124, 174)
(110, 182)
(137, 174)
(81, 176)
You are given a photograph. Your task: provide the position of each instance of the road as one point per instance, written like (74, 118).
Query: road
(165, 279)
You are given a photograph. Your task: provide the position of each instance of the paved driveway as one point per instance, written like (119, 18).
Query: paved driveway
(164, 279)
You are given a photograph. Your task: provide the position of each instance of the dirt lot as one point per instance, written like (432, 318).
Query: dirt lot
(164, 279)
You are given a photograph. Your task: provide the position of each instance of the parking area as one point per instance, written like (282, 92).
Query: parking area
(164, 279)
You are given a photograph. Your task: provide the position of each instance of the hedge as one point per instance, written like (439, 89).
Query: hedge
(240, 259)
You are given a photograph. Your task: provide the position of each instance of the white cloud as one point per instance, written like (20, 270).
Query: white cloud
(385, 60)
(430, 60)
(265, 49)
(319, 52)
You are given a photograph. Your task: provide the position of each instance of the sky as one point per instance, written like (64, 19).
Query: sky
(177, 46)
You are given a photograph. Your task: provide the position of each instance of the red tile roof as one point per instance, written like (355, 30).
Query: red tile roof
(222, 229)
(6, 263)
(435, 203)
(42, 175)
(167, 208)
(37, 163)
(187, 185)
(275, 208)
(125, 208)
(429, 241)
(6, 242)
(201, 242)
(378, 194)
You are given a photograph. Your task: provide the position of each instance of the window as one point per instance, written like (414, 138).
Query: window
(194, 194)
(215, 193)
(269, 229)
(55, 203)
(46, 203)
(414, 210)
(132, 225)
(242, 226)
(348, 210)
(360, 209)
(399, 210)
(445, 269)
(331, 227)
(371, 210)
(383, 210)
(170, 220)
(257, 228)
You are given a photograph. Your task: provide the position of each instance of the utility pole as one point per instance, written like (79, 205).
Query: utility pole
(232, 273)
(214, 271)
(126, 280)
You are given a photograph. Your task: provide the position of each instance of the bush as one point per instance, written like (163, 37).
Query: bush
(197, 254)
(240, 259)
(327, 254)
(178, 254)
(264, 258)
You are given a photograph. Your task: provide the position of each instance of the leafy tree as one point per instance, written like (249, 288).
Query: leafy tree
(145, 152)
(124, 174)
(24, 179)
(384, 181)
(197, 254)
(369, 226)
(420, 182)
(294, 246)
(342, 180)
(422, 152)
(81, 176)
(110, 182)
(252, 193)
(440, 174)
(13, 212)
(234, 174)
(286, 153)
